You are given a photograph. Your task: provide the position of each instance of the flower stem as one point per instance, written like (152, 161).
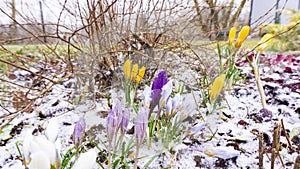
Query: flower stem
(136, 155)
(259, 86)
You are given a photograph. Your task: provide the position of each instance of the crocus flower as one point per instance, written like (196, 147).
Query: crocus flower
(157, 86)
(169, 107)
(147, 97)
(39, 160)
(86, 160)
(217, 87)
(198, 127)
(141, 124)
(160, 80)
(134, 72)
(127, 69)
(264, 42)
(52, 129)
(231, 35)
(39, 152)
(165, 93)
(79, 131)
(221, 152)
(140, 75)
(125, 120)
(242, 36)
(112, 124)
(176, 101)
(173, 104)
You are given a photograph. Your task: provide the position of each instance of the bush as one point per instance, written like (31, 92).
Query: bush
(288, 38)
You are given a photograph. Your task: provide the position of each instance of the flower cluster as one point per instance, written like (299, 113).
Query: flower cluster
(40, 151)
(241, 37)
(132, 74)
(117, 120)
(132, 78)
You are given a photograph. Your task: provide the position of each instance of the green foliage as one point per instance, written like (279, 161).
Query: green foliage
(67, 157)
(290, 40)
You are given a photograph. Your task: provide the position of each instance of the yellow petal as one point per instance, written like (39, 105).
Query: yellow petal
(231, 35)
(127, 69)
(242, 36)
(140, 75)
(264, 42)
(134, 71)
(217, 87)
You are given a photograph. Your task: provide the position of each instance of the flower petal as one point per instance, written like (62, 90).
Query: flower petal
(52, 129)
(264, 42)
(242, 36)
(160, 80)
(127, 69)
(140, 75)
(86, 160)
(165, 93)
(217, 87)
(141, 124)
(231, 35)
(134, 72)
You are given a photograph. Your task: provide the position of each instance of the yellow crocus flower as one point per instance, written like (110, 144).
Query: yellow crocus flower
(140, 75)
(242, 36)
(217, 87)
(264, 42)
(134, 71)
(127, 69)
(231, 35)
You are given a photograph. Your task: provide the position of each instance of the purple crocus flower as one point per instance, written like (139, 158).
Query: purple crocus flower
(112, 123)
(157, 86)
(125, 120)
(79, 131)
(141, 124)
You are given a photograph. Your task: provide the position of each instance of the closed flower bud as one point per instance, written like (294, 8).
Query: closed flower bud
(112, 124)
(264, 42)
(217, 87)
(165, 93)
(141, 125)
(231, 35)
(127, 69)
(140, 75)
(242, 36)
(147, 97)
(134, 72)
(52, 129)
(125, 120)
(157, 86)
(79, 131)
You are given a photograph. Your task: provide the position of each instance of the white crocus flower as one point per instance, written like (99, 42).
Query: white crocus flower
(26, 146)
(86, 160)
(169, 107)
(52, 129)
(147, 96)
(40, 143)
(166, 92)
(221, 152)
(39, 160)
(176, 102)
(34, 146)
